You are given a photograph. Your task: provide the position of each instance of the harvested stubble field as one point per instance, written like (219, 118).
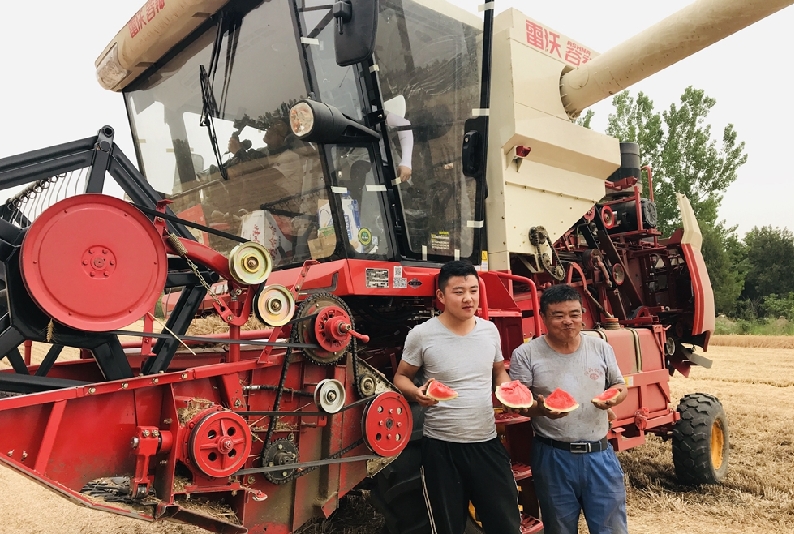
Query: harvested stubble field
(753, 376)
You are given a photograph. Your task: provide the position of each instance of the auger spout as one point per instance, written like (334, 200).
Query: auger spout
(682, 34)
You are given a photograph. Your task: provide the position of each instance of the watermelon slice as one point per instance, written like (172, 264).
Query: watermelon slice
(440, 392)
(561, 401)
(514, 394)
(608, 395)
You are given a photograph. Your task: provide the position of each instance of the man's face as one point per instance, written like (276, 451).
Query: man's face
(234, 144)
(461, 296)
(276, 134)
(563, 320)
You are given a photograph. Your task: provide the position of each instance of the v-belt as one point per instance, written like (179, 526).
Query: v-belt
(214, 340)
(307, 414)
(190, 224)
(303, 466)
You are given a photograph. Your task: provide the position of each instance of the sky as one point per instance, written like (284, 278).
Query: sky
(50, 94)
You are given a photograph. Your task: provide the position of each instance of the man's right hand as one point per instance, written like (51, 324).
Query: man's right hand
(418, 396)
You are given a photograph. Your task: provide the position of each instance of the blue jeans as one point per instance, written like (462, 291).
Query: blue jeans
(567, 483)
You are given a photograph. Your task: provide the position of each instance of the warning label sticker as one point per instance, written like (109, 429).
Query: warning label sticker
(440, 241)
(377, 278)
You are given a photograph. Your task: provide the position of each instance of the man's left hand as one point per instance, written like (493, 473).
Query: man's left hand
(605, 405)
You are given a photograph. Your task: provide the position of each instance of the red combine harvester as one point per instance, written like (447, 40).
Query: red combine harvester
(314, 165)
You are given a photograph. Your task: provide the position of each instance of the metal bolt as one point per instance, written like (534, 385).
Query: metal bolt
(85, 262)
(91, 391)
(251, 263)
(154, 381)
(237, 403)
(107, 273)
(24, 455)
(155, 433)
(92, 274)
(380, 423)
(251, 479)
(124, 385)
(145, 433)
(135, 442)
(184, 376)
(330, 396)
(283, 473)
(167, 421)
(11, 452)
(280, 446)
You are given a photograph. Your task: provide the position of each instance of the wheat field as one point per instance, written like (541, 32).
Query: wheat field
(753, 378)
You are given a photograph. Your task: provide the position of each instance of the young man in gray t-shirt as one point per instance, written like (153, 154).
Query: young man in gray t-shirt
(573, 466)
(462, 458)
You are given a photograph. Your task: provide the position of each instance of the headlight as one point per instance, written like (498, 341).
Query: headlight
(301, 119)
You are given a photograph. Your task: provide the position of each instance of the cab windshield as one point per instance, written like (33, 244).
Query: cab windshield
(210, 127)
(212, 135)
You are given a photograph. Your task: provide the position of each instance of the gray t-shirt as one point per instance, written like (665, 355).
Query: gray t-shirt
(464, 363)
(584, 374)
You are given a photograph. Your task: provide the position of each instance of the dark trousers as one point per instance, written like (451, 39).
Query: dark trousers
(455, 473)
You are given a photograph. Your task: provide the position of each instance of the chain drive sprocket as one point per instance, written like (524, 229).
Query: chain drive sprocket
(303, 329)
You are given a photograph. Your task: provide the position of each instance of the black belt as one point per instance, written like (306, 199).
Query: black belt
(577, 447)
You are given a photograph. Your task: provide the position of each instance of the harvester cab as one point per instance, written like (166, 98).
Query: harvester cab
(367, 166)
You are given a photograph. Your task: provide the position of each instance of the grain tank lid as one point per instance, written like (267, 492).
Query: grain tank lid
(153, 30)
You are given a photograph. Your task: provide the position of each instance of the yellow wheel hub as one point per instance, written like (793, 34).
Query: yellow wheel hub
(717, 444)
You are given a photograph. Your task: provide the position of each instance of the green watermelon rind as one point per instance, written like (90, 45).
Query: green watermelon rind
(601, 398)
(559, 409)
(514, 405)
(437, 396)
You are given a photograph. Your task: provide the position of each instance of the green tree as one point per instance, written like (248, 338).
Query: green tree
(770, 264)
(725, 257)
(679, 146)
(585, 119)
(636, 121)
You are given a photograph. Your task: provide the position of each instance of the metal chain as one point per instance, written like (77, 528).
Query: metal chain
(182, 251)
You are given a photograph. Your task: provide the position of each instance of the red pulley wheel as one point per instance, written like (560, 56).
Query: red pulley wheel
(94, 262)
(388, 424)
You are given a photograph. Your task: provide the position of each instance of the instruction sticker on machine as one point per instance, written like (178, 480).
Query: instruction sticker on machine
(377, 278)
(440, 241)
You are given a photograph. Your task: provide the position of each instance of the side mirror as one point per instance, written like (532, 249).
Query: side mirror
(356, 28)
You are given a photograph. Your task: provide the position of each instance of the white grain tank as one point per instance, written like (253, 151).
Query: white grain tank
(544, 170)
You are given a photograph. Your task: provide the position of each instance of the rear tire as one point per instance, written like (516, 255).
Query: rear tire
(700, 440)
(398, 493)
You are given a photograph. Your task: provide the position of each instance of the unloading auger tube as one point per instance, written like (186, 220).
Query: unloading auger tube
(682, 34)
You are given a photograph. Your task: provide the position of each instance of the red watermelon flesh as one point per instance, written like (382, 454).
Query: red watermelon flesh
(514, 394)
(561, 401)
(608, 395)
(440, 392)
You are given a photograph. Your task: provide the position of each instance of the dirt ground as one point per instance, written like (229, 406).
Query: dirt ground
(755, 385)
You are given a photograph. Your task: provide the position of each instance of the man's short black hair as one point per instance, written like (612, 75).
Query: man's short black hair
(462, 268)
(558, 293)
